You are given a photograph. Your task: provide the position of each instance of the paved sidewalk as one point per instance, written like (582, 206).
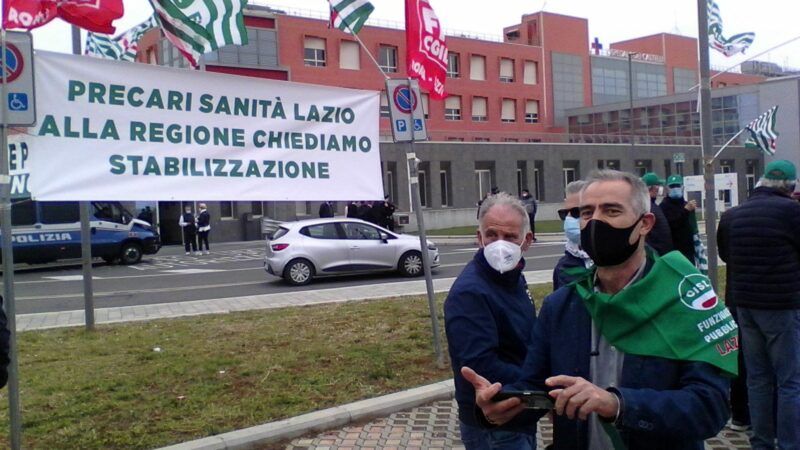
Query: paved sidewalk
(435, 426)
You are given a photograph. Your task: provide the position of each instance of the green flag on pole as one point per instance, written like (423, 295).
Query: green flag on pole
(672, 312)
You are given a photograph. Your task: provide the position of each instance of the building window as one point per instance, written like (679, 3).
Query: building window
(506, 70)
(482, 139)
(349, 55)
(510, 140)
(388, 187)
(302, 208)
(387, 59)
(509, 113)
(257, 208)
(530, 75)
(384, 105)
(532, 111)
(537, 183)
(477, 68)
(479, 109)
(444, 184)
(750, 175)
(227, 210)
(483, 180)
(314, 52)
(455, 139)
(643, 166)
(453, 65)
(569, 176)
(425, 103)
(260, 51)
(423, 188)
(452, 108)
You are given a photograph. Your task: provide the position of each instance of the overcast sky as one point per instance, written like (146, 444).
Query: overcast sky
(773, 21)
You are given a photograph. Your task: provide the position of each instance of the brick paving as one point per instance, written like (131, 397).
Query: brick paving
(435, 427)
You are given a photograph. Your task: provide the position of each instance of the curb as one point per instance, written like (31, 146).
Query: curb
(326, 419)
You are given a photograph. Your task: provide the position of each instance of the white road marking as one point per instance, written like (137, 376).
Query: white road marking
(69, 278)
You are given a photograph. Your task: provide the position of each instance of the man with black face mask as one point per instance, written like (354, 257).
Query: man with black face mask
(631, 353)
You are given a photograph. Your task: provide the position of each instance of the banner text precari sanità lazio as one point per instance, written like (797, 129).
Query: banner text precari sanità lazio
(124, 131)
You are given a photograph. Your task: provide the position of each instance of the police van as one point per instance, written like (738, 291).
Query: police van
(49, 231)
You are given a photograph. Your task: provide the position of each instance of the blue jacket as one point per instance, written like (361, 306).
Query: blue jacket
(568, 261)
(760, 241)
(489, 318)
(667, 404)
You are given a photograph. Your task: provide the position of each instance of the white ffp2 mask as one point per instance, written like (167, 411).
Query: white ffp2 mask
(503, 256)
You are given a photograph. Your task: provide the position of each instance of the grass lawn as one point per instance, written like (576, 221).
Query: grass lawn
(112, 389)
(543, 226)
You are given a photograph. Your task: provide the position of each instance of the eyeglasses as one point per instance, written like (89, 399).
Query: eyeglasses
(574, 212)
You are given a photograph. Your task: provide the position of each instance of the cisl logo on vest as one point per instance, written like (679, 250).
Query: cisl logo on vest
(696, 292)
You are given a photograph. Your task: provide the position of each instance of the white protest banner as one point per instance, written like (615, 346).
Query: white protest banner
(18, 167)
(110, 130)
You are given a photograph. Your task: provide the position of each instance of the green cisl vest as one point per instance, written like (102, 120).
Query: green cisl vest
(672, 312)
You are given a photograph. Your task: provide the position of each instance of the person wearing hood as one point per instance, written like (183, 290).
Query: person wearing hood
(680, 217)
(489, 315)
(659, 237)
(574, 256)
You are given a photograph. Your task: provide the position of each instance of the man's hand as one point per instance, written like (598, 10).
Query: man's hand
(691, 205)
(578, 398)
(496, 413)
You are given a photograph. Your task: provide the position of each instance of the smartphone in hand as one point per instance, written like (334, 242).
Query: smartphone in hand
(531, 399)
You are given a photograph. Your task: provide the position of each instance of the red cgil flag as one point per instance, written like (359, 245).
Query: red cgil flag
(426, 55)
(92, 15)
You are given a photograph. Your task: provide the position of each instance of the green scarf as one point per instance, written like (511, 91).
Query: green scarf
(672, 312)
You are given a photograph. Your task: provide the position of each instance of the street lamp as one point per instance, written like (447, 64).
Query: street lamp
(630, 93)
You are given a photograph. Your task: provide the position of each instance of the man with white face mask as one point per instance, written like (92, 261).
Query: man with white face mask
(574, 256)
(489, 315)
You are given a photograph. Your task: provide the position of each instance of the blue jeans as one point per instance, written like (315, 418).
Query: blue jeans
(477, 438)
(772, 354)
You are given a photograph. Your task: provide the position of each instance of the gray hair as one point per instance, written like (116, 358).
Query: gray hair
(574, 187)
(640, 197)
(505, 199)
(786, 186)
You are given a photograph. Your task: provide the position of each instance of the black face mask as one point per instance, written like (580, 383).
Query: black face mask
(607, 245)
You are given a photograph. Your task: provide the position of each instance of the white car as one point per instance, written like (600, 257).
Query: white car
(300, 251)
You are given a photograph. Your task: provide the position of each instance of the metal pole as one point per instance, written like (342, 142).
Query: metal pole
(423, 239)
(710, 213)
(630, 94)
(15, 414)
(86, 233)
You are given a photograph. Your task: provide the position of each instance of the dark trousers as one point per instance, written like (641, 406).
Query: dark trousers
(189, 239)
(532, 218)
(202, 236)
(740, 411)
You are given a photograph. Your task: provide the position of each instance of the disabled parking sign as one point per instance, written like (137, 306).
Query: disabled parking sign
(16, 64)
(405, 110)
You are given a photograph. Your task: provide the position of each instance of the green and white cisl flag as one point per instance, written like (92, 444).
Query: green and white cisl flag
(737, 43)
(121, 48)
(196, 27)
(763, 135)
(350, 15)
(672, 312)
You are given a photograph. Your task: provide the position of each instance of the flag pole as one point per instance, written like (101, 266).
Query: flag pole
(727, 144)
(361, 43)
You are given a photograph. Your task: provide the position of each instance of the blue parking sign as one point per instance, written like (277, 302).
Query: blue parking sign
(401, 125)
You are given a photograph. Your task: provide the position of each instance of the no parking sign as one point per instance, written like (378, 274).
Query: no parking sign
(17, 63)
(405, 110)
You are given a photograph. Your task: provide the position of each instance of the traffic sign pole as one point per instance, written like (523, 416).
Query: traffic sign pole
(15, 416)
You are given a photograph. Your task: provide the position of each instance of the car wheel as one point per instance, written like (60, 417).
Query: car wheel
(298, 272)
(411, 264)
(131, 253)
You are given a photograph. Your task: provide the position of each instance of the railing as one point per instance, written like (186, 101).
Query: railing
(375, 22)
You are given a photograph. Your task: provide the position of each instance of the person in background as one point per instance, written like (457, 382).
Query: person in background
(203, 228)
(574, 256)
(351, 210)
(364, 211)
(680, 216)
(147, 215)
(387, 214)
(760, 243)
(530, 207)
(660, 237)
(188, 224)
(325, 209)
(489, 315)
